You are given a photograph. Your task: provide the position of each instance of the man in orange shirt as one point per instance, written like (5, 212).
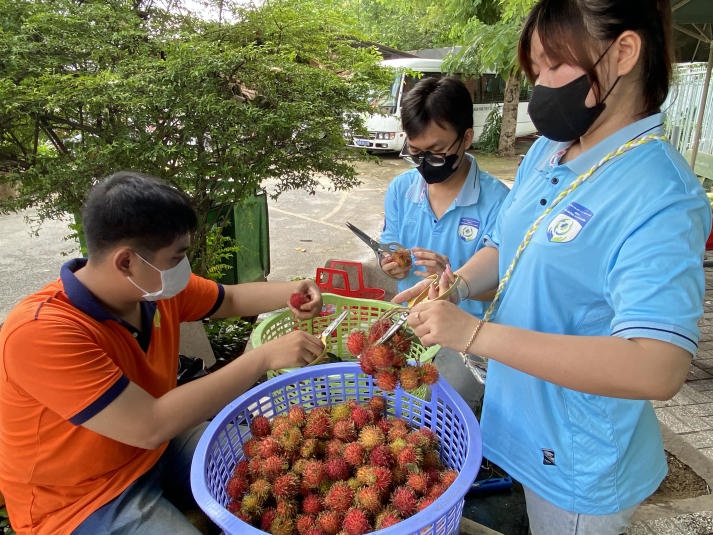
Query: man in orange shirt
(94, 427)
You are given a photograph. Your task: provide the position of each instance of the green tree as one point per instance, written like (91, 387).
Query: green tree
(217, 108)
(491, 43)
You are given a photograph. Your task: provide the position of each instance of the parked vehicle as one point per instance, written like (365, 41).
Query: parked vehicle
(385, 133)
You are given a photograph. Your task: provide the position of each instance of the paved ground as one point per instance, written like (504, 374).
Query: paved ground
(306, 231)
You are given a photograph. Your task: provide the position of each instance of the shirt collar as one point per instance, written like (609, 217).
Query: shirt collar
(84, 300)
(653, 124)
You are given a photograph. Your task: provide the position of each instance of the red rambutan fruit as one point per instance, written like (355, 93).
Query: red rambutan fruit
(404, 500)
(286, 486)
(234, 506)
(436, 490)
(330, 521)
(312, 504)
(366, 362)
(383, 478)
(337, 469)
(297, 415)
(339, 497)
(354, 454)
(314, 473)
(431, 460)
(334, 448)
(356, 342)
(291, 439)
(382, 357)
(266, 518)
(387, 518)
(282, 525)
(387, 379)
(251, 447)
(401, 342)
(303, 523)
(425, 502)
(288, 508)
(377, 403)
(410, 377)
(429, 373)
(356, 522)
(361, 416)
(409, 455)
(399, 429)
(260, 426)
(269, 446)
(371, 436)
(419, 438)
(261, 488)
(381, 455)
(318, 425)
(311, 447)
(251, 505)
(418, 481)
(378, 328)
(241, 468)
(236, 487)
(344, 429)
(448, 477)
(369, 499)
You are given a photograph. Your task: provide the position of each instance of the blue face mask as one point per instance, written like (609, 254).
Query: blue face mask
(173, 280)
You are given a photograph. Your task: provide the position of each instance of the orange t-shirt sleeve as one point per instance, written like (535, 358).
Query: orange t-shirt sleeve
(62, 366)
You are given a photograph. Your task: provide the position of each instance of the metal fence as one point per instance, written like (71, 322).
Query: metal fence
(681, 108)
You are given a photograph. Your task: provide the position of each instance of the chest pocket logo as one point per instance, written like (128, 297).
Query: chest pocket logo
(568, 223)
(468, 228)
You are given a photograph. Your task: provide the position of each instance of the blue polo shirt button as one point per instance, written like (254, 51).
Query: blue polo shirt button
(555, 180)
(543, 202)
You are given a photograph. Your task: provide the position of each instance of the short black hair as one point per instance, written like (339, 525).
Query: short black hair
(445, 101)
(137, 209)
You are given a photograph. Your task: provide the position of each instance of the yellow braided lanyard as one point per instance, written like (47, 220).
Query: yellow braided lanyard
(478, 364)
(577, 182)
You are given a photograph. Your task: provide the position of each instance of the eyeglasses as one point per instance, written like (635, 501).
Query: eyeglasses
(436, 159)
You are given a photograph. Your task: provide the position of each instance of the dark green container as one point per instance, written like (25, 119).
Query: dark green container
(248, 228)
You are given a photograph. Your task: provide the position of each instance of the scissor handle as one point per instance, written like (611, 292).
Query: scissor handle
(391, 246)
(435, 280)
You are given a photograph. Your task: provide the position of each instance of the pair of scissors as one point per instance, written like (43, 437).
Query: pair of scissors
(378, 247)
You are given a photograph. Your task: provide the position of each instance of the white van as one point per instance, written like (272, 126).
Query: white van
(384, 125)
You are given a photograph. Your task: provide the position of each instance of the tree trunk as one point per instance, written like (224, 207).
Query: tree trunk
(506, 146)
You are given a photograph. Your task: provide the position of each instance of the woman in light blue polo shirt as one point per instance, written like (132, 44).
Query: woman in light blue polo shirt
(597, 258)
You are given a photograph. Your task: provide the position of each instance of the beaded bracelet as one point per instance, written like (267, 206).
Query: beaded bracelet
(474, 335)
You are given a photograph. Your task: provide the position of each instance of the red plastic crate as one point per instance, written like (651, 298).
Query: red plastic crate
(335, 278)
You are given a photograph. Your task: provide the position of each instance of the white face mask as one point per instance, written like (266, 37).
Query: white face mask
(173, 280)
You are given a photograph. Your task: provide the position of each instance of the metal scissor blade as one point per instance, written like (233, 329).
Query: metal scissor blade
(334, 324)
(363, 236)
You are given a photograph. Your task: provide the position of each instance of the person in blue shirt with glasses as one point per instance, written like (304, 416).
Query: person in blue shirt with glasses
(443, 207)
(596, 259)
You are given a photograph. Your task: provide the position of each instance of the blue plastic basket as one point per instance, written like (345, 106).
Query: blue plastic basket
(444, 411)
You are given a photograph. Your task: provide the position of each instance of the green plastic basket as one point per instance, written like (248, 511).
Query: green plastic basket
(363, 312)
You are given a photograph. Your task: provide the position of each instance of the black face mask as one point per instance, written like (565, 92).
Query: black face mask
(560, 114)
(435, 174)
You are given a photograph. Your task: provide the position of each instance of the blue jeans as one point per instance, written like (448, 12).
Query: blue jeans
(150, 505)
(547, 519)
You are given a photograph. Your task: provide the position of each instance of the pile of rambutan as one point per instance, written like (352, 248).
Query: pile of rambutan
(388, 362)
(344, 469)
